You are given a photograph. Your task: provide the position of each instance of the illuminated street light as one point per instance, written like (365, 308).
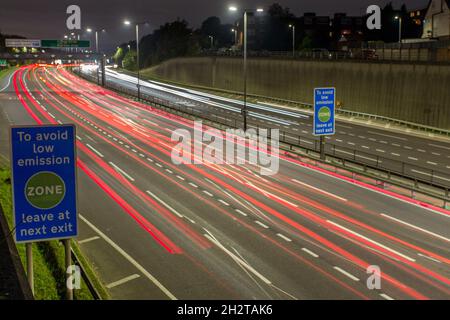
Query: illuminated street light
(291, 26)
(127, 22)
(399, 28)
(246, 11)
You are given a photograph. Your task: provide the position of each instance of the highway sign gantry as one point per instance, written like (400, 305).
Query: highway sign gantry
(43, 162)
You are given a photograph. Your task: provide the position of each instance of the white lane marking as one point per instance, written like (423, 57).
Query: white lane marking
(362, 137)
(223, 202)
(387, 135)
(241, 212)
(95, 150)
(159, 164)
(369, 189)
(385, 296)
(141, 155)
(429, 174)
(320, 190)
(432, 163)
(351, 143)
(164, 204)
(412, 158)
(261, 224)
(88, 240)
(284, 237)
(346, 273)
(438, 146)
(395, 154)
(435, 154)
(151, 160)
(366, 147)
(237, 259)
(51, 115)
(416, 227)
(310, 252)
(396, 145)
(207, 193)
(338, 140)
(9, 82)
(130, 259)
(169, 171)
(380, 150)
(181, 178)
(408, 147)
(79, 138)
(372, 241)
(121, 171)
(122, 281)
(430, 258)
(271, 195)
(193, 184)
(421, 150)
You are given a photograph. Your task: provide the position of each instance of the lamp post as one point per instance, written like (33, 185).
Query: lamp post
(293, 39)
(212, 41)
(127, 22)
(96, 37)
(399, 28)
(235, 35)
(246, 12)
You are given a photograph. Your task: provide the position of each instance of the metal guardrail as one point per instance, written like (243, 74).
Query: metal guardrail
(419, 178)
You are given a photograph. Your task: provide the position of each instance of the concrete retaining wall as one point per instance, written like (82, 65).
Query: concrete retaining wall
(416, 93)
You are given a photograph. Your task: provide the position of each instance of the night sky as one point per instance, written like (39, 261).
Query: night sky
(41, 19)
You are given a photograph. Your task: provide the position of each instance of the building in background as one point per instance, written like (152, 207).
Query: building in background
(437, 20)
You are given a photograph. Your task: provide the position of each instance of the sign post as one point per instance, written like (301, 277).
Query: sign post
(324, 115)
(43, 163)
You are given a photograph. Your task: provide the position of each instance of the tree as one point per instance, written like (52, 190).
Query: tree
(173, 39)
(118, 56)
(212, 26)
(130, 61)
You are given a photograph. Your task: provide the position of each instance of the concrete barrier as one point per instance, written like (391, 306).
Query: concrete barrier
(418, 93)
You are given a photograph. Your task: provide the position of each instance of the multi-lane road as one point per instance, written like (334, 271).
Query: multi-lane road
(373, 145)
(156, 230)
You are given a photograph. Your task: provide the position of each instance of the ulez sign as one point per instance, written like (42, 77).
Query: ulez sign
(324, 111)
(43, 163)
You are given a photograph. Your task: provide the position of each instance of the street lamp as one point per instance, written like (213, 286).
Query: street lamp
(96, 37)
(212, 41)
(293, 39)
(399, 28)
(235, 35)
(246, 11)
(127, 22)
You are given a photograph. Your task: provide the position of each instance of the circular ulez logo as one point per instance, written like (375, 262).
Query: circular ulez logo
(45, 190)
(324, 114)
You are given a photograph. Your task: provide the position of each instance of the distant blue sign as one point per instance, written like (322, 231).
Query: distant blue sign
(43, 162)
(324, 111)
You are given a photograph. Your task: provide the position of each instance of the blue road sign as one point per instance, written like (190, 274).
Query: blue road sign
(324, 105)
(43, 162)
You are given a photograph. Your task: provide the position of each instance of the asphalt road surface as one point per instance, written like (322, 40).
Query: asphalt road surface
(157, 230)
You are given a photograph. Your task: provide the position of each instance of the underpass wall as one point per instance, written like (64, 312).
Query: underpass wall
(417, 93)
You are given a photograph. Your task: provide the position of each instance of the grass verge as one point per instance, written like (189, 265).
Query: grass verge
(48, 257)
